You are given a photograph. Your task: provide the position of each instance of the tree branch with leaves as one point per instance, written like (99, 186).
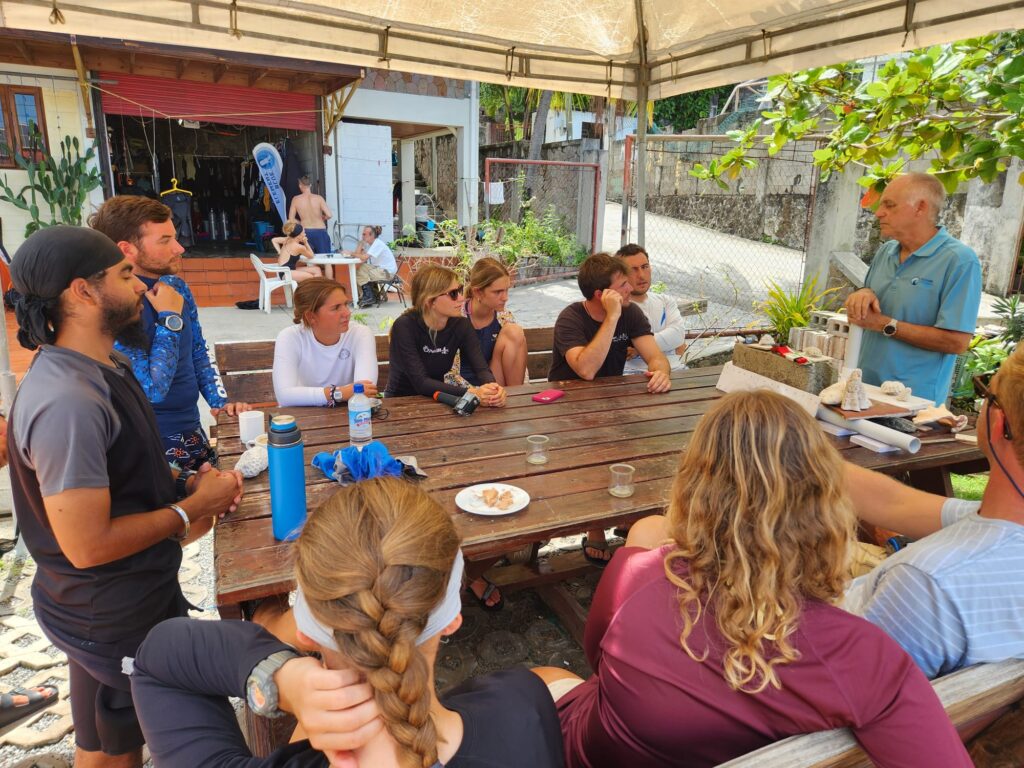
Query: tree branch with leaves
(959, 106)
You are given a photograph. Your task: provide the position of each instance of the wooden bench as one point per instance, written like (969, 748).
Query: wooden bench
(245, 366)
(972, 697)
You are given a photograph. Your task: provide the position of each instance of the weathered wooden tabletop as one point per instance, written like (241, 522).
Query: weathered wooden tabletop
(596, 424)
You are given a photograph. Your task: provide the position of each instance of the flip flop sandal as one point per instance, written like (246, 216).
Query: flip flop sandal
(43, 761)
(11, 712)
(600, 547)
(488, 592)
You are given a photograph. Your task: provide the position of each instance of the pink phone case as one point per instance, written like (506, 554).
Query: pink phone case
(548, 396)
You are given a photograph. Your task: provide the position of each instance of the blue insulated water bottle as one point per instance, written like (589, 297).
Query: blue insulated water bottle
(287, 478)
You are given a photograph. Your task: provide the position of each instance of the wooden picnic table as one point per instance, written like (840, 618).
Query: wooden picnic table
(596, 424)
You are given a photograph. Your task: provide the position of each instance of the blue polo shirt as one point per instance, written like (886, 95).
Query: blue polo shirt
(939, 285)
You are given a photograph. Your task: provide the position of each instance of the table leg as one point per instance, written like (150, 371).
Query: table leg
(932, 480)
(352, 281)
(566, 608)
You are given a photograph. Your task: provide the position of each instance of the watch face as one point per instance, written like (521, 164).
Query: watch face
(173, 323)
(256, 698)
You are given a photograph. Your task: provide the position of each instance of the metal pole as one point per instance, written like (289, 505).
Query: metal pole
(627, 180)
(641, 162)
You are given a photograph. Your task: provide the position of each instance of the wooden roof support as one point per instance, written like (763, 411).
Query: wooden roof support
(335, 103)
(180, 67)
(256, 75)
(299, 80)
(131, 62)
(219, 71)
(83, 84)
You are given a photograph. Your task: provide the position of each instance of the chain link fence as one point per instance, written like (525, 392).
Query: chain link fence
(719, 245)
(560, 194)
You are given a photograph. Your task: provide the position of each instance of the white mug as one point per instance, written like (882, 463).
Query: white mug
(250, 426)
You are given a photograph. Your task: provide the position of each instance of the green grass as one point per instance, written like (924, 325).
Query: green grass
(969, 486)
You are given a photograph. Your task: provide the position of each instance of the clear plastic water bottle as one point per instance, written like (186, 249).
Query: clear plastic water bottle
(287, 478)
(360, 426)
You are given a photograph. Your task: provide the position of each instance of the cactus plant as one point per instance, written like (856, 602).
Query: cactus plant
(61, 186)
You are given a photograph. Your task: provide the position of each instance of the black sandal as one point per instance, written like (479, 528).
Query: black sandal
(488, 591)
(600, 547)
(37, 700)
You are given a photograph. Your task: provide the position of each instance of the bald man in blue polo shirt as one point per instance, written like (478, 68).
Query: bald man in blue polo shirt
(919, 306)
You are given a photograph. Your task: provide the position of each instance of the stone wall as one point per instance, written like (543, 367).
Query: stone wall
(447, 174)
(422, 85)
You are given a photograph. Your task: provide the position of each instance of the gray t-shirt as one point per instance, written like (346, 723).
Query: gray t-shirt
(76, 424)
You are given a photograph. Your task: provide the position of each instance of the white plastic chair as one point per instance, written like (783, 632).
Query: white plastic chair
(282, 278)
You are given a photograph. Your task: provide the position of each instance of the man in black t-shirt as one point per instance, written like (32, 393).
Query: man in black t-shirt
(591, 339)
(102, 513)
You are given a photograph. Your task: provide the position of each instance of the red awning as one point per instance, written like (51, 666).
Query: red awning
(209, 102)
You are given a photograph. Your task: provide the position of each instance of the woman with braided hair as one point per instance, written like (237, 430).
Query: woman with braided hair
(379, 574)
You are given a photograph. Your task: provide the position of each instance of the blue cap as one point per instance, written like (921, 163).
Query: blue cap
(358, 389)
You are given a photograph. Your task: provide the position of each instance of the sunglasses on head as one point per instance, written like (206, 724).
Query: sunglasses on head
(454, 294)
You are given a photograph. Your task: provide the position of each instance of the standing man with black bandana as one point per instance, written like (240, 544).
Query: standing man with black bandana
(102, 513)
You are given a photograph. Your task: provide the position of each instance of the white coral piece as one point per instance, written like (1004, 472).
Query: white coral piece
(766, 341)
(813, 353)
(253, 461)
(833, 394)
(854, 396)
(896, 389)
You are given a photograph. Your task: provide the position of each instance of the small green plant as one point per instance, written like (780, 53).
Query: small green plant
(659, 287)
(792, 310)
(60, 185)
(545, 237)
(360, 317)
(1011, 311)
(407, 240)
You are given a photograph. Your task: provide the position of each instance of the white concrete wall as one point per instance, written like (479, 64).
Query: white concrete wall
(459, 115)
(358, 173)
(64, 116)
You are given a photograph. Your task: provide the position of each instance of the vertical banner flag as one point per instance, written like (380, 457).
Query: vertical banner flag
(269, 161)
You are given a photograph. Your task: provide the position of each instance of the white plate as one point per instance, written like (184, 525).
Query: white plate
(471, 499)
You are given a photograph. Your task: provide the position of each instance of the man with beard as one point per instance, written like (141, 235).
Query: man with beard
(168, 353)
(101, 512)
(661, 310)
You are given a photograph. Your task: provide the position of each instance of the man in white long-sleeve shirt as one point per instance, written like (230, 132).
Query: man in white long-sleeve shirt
(662, 311)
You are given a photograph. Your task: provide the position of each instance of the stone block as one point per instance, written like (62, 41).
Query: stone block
(812, 377)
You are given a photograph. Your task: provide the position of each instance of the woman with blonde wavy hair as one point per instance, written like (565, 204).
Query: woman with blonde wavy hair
(713, 632)
(379, 574)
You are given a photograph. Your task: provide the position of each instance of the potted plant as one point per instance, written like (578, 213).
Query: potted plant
(785, 310)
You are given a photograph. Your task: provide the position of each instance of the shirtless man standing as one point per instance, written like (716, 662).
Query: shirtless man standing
(312, 212)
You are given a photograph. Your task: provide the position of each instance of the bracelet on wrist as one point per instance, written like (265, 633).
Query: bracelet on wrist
(331, 402)
(184, 518)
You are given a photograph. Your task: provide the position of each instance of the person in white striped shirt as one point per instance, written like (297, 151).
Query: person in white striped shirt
(662, 311)
(954, 597)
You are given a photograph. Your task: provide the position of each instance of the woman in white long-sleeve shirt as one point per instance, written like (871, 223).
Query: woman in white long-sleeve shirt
(317, 360)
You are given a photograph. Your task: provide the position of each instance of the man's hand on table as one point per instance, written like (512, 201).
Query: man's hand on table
(658, 381)
(335, 707)
(231, 409)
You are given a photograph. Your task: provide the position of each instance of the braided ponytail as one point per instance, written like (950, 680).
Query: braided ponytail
(373, 561)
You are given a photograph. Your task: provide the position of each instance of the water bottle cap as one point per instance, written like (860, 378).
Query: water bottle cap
(358, 389)
(282, 423)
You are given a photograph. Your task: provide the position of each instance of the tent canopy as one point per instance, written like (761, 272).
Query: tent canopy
(581, 46)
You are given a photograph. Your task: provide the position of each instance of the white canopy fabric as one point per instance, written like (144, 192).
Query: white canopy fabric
(579, 46)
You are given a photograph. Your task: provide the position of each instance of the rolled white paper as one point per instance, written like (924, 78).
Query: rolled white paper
(852, 349)
(901, 440)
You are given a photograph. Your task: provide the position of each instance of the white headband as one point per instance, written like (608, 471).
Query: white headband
(444, 612)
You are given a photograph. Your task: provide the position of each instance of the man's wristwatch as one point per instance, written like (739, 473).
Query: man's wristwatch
(890, 327)
(260, 688)
(171, 321)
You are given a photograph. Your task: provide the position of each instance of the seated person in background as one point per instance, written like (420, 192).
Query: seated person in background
(660, 309)
(502, 341)
(955, 597)
(319, 358)
(713, 631)
(381, 615)
(424, 340)
(293, 249)
(591, 338)
(378, 263)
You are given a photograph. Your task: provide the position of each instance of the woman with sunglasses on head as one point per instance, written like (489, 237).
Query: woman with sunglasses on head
(378, 614)
(426, 337)
(323, 355)
(502, 340)
(715, 630)
(293, 251)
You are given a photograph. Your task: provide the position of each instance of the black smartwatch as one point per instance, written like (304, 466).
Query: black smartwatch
(890, 327)
(181, 483)
(171, 321)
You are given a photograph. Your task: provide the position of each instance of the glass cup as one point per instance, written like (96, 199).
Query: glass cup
(621, 483)
(537, 452)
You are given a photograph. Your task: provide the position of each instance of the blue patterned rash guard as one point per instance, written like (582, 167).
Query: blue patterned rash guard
(177, 367)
